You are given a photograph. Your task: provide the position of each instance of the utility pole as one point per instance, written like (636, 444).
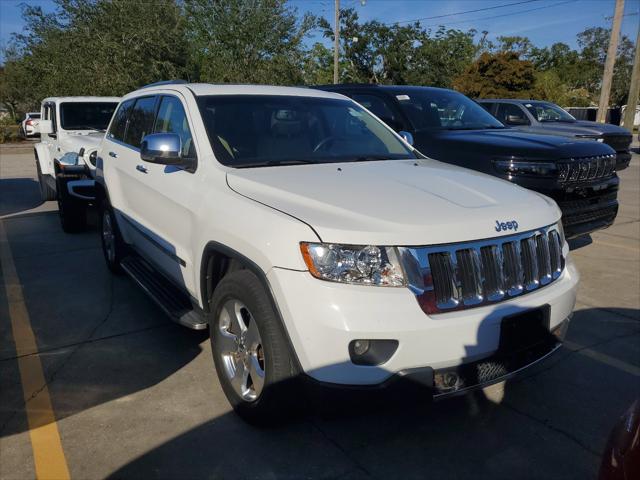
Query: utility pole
(609, 63)
(634, 89)
(336, 42)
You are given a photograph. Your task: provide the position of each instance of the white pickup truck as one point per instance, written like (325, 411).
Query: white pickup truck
(316, 244)
(71, 129)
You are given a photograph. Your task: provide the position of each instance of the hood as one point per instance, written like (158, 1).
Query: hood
(395, 202)
(74, 141)
(512, 142)
(596, 127)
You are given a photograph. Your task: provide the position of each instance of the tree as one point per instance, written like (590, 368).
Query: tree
(246, 41)
(95, 47)
(497, 75)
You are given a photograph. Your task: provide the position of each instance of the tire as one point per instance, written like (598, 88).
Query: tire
(46, 192)
(72, 213)
(113, 247)
(272, 395)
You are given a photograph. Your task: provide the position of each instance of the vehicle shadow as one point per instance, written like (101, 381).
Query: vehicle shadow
(551, 422)
(18, 194)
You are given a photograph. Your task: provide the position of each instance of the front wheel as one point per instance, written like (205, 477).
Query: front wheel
(46, 192)
(72, 213)
(250, 351)
(113, 247)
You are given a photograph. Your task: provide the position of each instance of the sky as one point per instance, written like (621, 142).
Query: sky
(543, 21)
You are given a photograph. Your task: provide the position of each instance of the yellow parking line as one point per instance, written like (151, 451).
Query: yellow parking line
(48, 455)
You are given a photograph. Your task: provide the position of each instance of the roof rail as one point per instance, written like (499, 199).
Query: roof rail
(165, 82)
(347, 84)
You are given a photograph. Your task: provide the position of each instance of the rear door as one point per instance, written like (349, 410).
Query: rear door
(121, 155)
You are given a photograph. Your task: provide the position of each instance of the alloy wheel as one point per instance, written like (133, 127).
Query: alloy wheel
(240, 348)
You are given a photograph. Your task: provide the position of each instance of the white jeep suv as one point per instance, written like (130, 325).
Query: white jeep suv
(315, 243)
(71, 129)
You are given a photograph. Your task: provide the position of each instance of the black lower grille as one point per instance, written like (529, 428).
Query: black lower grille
(607, 213)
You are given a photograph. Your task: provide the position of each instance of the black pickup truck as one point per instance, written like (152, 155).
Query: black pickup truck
(447, 126)
(535, 116)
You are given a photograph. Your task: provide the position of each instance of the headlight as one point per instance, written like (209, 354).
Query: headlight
(357, 264)
(522, 167)
(597, 137)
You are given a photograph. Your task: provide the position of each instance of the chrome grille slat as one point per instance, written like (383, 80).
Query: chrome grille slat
(472, 274)
(555, 252)
(444, 280)
(530, 263)
(491, 257)
(544, 259)
(512, 268)
(469, 277)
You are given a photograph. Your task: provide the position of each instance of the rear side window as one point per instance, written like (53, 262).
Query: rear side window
(119, 124)
(140, 121)
(172, 119)
(376, 105)
(489, 107)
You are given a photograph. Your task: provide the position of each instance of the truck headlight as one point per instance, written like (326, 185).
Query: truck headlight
(356, 264)
(597, 137)
(523, 167)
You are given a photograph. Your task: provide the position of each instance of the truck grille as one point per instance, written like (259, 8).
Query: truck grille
(586, 168)
(467, 275)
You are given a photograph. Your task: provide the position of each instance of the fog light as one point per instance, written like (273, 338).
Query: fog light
(360, 347)
(448, 381)
(371, 352)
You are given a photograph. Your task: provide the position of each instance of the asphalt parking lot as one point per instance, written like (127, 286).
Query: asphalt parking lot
(135, 396)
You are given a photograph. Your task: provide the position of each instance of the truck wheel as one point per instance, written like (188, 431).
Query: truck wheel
(250, 351)
(72, 213)
(46, 192)
(113, 247)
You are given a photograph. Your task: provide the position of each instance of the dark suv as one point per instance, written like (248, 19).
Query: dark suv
(447, 126)
(536, 116)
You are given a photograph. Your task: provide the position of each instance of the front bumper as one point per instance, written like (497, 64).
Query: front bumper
(322, 318)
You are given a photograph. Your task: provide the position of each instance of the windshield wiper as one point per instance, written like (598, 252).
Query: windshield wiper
(274, 163)
(86, 127)
(372, 158)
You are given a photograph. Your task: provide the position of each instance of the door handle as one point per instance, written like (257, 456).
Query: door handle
(141, 168)
(113, 154)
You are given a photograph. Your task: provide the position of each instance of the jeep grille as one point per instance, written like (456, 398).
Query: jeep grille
(466, 275)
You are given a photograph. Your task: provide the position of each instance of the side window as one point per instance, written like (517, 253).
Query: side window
(140, 121)
(378, 107)
(489, 107)
(172, 119)
(119, 124)
(511, 114)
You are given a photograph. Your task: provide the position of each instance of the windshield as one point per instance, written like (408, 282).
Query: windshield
(549, 112)
(86, 115)
(264, 130)
(444, 110)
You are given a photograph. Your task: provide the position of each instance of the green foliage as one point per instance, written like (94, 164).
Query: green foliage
(8, 130)
(246, 41)
(497, 75)
(110, 47)
(94, 47)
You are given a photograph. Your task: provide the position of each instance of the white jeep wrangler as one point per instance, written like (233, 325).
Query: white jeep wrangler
(316, 244)
(71, 129)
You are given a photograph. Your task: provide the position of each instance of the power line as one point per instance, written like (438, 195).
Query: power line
(503, 15)
(462, 13)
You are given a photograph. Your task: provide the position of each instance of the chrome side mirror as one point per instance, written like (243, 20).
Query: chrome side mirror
(161, 148)
(407, 137)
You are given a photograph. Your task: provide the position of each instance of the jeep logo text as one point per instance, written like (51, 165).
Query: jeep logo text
(503, 226)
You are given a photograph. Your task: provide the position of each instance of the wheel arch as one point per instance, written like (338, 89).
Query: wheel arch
(217, 261)
(43, 159)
